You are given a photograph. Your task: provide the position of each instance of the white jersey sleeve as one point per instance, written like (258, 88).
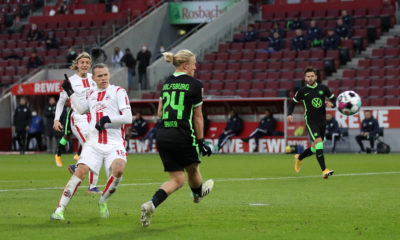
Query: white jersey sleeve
(60, 105)
(124, 107)
(80, 106)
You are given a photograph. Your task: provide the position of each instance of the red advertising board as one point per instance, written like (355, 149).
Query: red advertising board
(49, 87)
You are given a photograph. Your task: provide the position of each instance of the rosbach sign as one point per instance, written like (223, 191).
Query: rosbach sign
(197, 12)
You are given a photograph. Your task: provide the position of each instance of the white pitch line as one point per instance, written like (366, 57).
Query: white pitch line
(216, 180)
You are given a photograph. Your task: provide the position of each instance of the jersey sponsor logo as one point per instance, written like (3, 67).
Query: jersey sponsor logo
(171, 124)
(316, 102)
(321, 92)
(305, 94)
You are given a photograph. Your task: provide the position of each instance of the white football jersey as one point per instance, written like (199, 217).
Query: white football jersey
(81, 87)
(107, 102)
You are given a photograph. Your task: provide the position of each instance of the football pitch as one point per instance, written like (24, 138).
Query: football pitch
(254, 197)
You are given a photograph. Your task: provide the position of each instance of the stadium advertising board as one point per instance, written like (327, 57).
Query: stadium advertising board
(386, 117)
(49, 87)
(197, 12)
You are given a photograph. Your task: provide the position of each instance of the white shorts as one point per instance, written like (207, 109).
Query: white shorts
(79, 127)
(95, 156)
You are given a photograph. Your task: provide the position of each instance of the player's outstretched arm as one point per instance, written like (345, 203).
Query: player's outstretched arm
(198, 123)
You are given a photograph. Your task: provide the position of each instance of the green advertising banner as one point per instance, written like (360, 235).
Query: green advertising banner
(197, 12)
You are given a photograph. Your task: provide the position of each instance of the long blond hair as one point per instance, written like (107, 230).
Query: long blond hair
(74, 65)
(183, 56)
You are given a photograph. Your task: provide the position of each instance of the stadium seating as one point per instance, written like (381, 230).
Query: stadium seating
(78, 34)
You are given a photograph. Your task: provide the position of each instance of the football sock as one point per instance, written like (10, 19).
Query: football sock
(197, 190)
(61, 146)
(308, 152)
(321, 159)
(159, 197)
(93, 179)
(111, 187)
(68, 192)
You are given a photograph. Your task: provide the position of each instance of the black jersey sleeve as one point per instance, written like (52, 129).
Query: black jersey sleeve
(198, 94)
(298, 96)
(330, 95)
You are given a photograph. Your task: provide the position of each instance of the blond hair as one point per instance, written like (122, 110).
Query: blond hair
(74, 65)
(183, 56)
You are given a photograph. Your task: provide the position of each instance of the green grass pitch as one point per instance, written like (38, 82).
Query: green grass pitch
(254, 197)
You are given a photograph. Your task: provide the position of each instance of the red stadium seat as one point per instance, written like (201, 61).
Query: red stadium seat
(348, 83)
(364, 63)
(206, 67)
(257, 85)
(217, 85)
(243, 94)
(303, 64)
(392, 101)
(261, 76)
(235, 56)
(360, 33)
(378, 63)
(334, 54)
(287, 75)
(360, 12)
(393, 42)
(392, 52)
(286, 85)
(220, 66)
(275, 66)
(276, 55)
(222, 57)
(261, 66)
(219, 76)
(231, 86)
(270, 93)
(289, 65)
(256, 94)
(246, 76)
(380, 73)
(393, 83)
(334, 83)
(379, 92)
(265, 26)
(306, 14)
(363, 92)
(262, 45)
(392, 62)
(377, 102)
(360, 22)
(392, 72)
(348, 43)
(223, 47)
(273, 76)
(248, 56)
(317, 54)
(378, 82)
(250, 45)
(245, 85)
(305, 54)
(363, 73)
(272, 84)
(232, 76)
(205, 76)
(237, 46)
(375, 22)
(319, 13)
(289, 55)
(234, 66)
(261, 56)
(378, 52)
(247, 66)
(209, 57)
(363, 83)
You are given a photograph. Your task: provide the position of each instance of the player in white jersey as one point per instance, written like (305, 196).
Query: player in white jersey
(110, 109)
(82, 83)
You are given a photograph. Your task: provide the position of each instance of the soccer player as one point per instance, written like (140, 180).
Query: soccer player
(110, 109)
(313, 96)
(180, 137)
(82, 83)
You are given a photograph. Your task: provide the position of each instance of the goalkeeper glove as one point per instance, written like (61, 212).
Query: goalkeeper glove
(67, 86)
(204, 149)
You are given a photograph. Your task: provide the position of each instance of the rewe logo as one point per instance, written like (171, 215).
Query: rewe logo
(47, 87)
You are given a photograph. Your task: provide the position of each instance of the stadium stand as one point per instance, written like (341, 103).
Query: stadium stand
(236, 64)
(78, 31)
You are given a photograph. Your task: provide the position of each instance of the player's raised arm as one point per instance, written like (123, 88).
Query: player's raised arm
(81, 106)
